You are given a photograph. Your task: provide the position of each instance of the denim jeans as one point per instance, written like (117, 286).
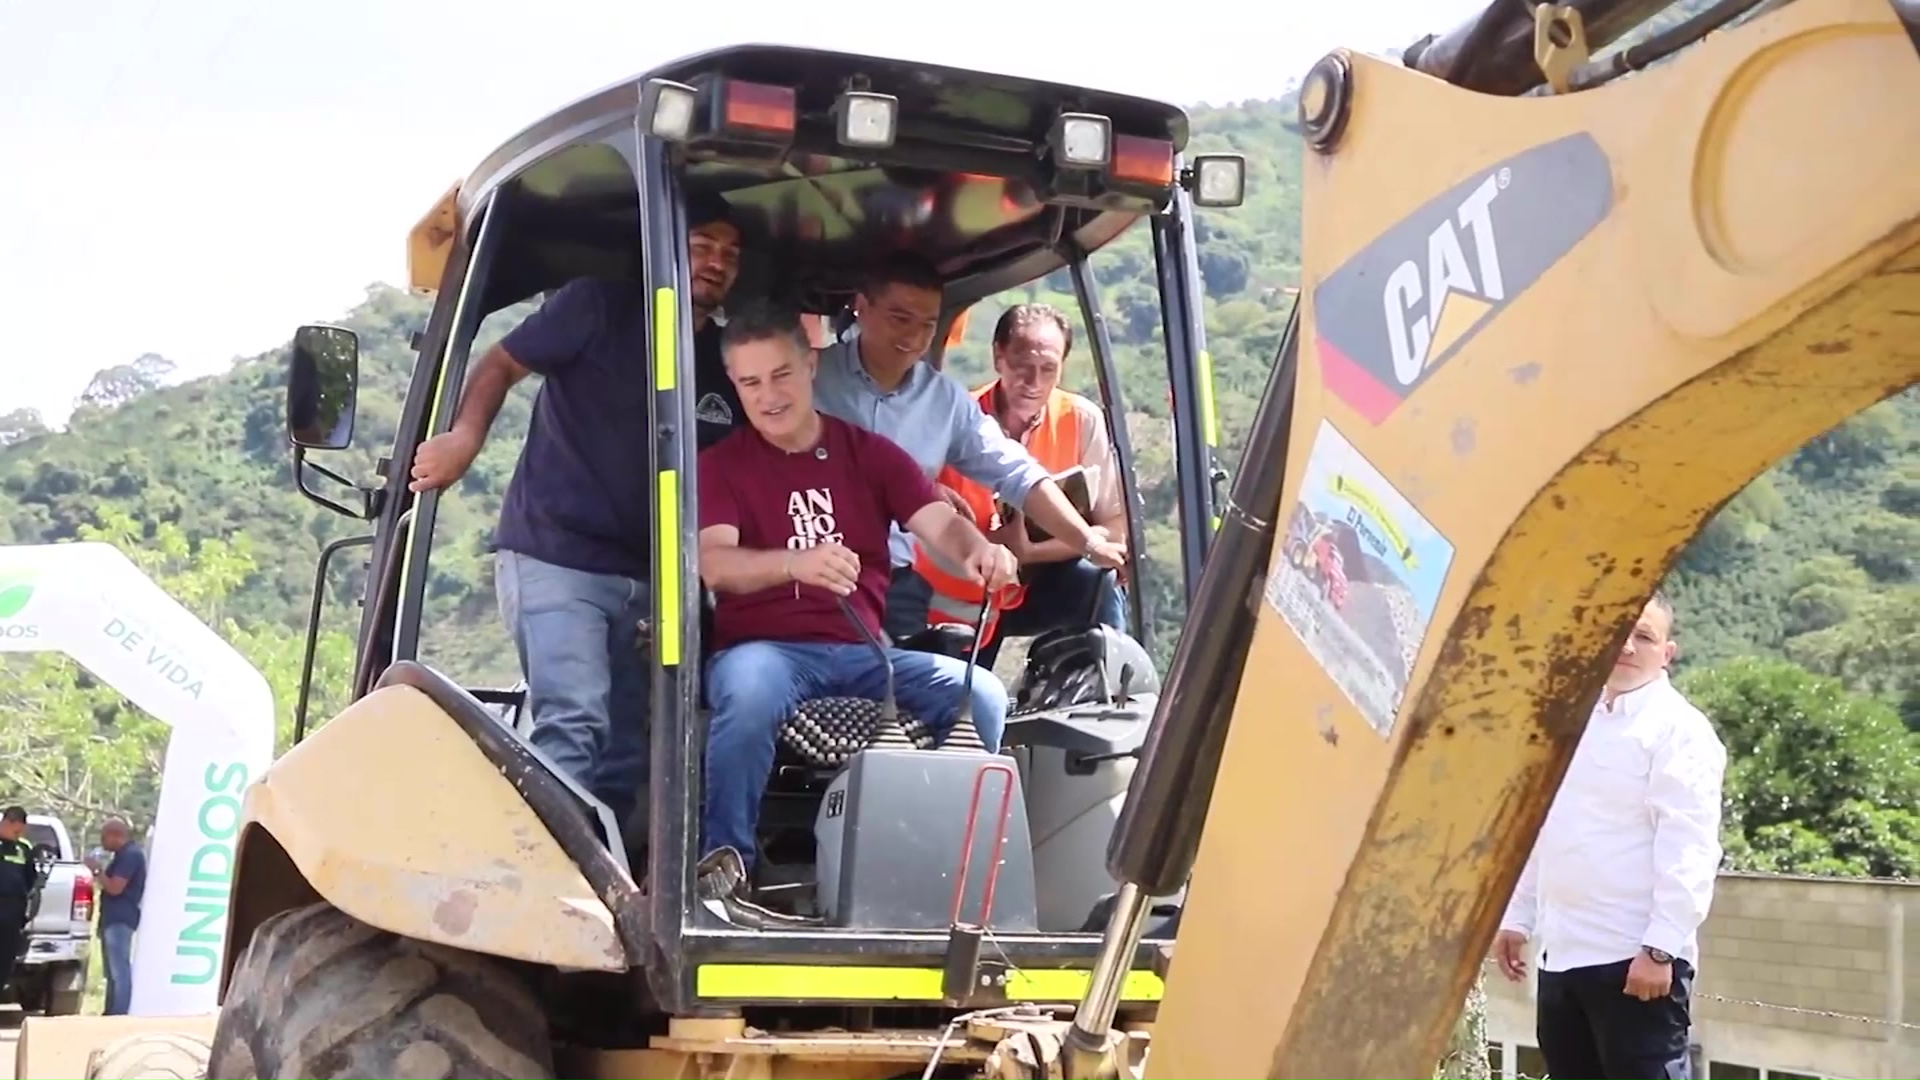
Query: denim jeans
(755, 686)
(116, 956)
(588, 685)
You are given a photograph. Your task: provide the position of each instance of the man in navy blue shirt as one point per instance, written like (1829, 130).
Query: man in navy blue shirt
(571, 571)
(121, 887)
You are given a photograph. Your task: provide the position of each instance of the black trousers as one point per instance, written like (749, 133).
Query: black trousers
(1591, 1029)
(13, 925)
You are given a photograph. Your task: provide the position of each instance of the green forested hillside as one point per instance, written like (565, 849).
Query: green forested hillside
(1815, 570)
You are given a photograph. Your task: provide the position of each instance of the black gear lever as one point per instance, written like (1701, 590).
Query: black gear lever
(964, 735)
(888, 732)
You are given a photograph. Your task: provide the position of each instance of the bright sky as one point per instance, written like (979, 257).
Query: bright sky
(195, 179)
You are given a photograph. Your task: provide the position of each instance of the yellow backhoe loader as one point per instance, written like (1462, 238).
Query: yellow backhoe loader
(1555, 310)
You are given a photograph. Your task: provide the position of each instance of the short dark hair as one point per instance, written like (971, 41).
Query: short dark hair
(1020, 314)
(704, 207)
(1660, 600)
(902, 268)
(763, 320)
(14, 814)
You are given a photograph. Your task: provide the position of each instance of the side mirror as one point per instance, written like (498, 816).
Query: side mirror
(323, 383)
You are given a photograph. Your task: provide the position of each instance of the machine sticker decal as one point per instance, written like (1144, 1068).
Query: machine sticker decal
(1389, 317)
(1357, 577)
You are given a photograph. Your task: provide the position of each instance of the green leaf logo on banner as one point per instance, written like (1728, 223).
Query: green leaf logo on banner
(15, 590)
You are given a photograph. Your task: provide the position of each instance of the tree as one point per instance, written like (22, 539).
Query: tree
(19, 425)
(117, 385)
(1820, 780)
(1466, 1056)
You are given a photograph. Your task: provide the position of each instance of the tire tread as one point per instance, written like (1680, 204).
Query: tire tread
(320, 994)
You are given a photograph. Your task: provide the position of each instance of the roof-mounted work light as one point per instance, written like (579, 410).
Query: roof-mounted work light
(866, 120)
(1081, 141)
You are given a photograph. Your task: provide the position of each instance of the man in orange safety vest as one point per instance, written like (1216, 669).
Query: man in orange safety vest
(1059, 586)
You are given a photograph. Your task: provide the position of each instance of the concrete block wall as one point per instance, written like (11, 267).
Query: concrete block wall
(1815, 976)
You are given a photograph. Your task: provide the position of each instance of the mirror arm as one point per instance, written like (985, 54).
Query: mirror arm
(369, 498)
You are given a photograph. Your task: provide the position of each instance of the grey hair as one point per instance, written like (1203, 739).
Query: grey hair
(764, 321)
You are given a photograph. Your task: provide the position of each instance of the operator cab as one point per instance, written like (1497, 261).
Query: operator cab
(828, 162)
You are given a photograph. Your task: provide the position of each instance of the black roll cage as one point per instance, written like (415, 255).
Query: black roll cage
(664, 929)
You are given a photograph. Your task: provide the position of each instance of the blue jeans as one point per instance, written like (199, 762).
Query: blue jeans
(588, 684)
(755, 686)
(116, 956)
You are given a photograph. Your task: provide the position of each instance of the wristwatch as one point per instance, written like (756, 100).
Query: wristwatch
(1658, 956)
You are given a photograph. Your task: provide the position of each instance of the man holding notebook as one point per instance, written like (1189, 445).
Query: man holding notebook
(1067, 434)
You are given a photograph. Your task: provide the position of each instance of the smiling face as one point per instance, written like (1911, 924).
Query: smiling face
(774, 377)
(1029, 363)
(1648, 651)
(896, 323)
(713, 262)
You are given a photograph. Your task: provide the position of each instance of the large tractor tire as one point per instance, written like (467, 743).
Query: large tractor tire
(159, 1055)
(319, 994)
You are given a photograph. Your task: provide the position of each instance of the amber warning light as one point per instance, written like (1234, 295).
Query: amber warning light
(757, 107)
(1140, 160)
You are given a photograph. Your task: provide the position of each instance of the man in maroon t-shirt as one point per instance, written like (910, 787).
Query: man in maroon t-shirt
(794, 515)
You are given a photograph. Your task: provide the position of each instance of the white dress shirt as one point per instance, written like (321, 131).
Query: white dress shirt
(1630, 849)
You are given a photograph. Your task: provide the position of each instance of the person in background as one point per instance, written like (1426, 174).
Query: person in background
(1061, 430)
(573, 567)
(1622, 873)
(122, 885)
(19, 878)
(877, 377)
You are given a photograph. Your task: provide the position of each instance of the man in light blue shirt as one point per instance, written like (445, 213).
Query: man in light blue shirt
(876, 377)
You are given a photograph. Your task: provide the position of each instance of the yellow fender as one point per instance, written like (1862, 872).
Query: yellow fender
(392, 814)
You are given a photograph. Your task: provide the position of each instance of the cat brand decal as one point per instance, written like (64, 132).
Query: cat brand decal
(1389, 317)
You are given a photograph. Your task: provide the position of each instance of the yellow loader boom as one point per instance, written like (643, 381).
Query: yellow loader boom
(1541, 340)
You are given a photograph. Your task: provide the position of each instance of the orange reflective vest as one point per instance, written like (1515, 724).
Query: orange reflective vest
(1055, 444)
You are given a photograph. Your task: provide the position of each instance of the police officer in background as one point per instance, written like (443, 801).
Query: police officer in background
(19, 879)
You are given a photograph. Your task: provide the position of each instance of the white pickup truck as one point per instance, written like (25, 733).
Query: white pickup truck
(51, 977)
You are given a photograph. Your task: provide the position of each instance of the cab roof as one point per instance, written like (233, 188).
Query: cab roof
(958, 187)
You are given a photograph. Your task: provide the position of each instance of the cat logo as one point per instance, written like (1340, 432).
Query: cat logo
(1414, 329)
(1397, 311)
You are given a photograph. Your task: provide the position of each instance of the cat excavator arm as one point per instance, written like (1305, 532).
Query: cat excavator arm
(1550, 321)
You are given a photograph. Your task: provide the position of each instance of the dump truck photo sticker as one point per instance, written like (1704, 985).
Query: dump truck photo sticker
(1357, 577)
(1389, 317)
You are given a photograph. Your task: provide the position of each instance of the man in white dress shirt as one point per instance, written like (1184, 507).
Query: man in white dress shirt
(1622, 874)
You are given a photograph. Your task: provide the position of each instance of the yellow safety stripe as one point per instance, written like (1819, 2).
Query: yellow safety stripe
(666, 328)
(666, 583)
(414, 540)
(830, 983)
(666, 518)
